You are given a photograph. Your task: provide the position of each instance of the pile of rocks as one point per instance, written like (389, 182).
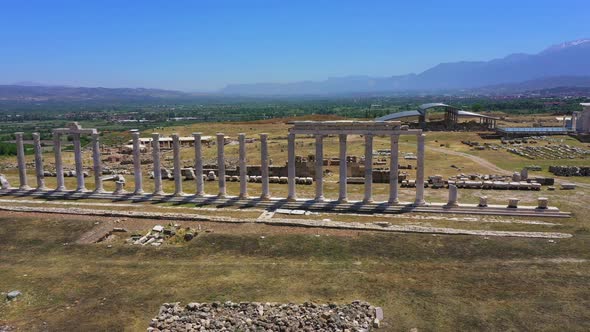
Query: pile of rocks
(253, 316)
(570, 170)
(158, 234)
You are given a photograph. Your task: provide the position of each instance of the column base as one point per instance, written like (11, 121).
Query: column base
(419, 203)
(159, 193)
(265, 198)
(367, 200)
(342, 200)
(393, 201)
(244, 196)
(292, 199)
(179, 194)
(41, 188)
(320, 199)
(99, 191)
(138, 192)
(220, 195)
(24, 188)
(200, 194)
(63, 188)
(81, 190)
(450, 205)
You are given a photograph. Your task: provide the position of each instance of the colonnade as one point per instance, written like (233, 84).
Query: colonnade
(319, 130)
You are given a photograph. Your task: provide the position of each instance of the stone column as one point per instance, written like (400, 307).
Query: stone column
(22, 162)
(453, 196)
(264, 166)
(368, 169)
(157, 164)
(342, 197)
(221, 165)
(177, 165)
(243, 166)
(59, 169)
(393, 170)
(420, 172)
(199, 164)
(319, 168)
(98, 188)
(39, 162)
(78, 160)
(137, 163)
(292, 196)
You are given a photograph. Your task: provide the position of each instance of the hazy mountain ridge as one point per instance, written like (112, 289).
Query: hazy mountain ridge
(565, 59)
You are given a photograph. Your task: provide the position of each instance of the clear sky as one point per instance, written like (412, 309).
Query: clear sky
(204, 45)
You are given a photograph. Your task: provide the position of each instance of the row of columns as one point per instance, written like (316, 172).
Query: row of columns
(39, 173)
(368, 184)
(178, 191)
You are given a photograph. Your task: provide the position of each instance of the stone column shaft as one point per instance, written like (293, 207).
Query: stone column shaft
(137, 164)
(221, 164)
(264, 166)
(319, 168)
(39, 162)
(199, 164)
(368, 169)
(79, 163)
(98, 188)
(393, 170)
(157, 164)
(292, 196)
(59, 169)
(420, 172)
(177, 165)
(342, 197)
(243, 166)
(22, 162)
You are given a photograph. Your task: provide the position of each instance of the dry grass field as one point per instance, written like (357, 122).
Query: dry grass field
(426, 281)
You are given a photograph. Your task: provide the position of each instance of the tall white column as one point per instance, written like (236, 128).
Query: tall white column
(342, 197)
(319, 168)
(157, 164)
(243, 166)
(177, 166)
(292, 196)
(420, 172)
(221, 165)
(199, 164)
(137, 163)
(368, 169)
(22, 163)
(59, 169)
(97, 167)
(39, 162)
(264, 166)
(78, 160)
(393, 170)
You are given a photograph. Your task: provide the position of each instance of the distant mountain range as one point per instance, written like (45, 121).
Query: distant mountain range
(566, 65)
(560, 62)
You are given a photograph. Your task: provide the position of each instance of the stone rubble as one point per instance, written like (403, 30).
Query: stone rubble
(570, 170)
(253, 316)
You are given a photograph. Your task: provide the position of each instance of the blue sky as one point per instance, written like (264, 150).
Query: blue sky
(204, 45)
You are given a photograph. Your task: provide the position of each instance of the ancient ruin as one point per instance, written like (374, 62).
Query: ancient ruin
(317, 129)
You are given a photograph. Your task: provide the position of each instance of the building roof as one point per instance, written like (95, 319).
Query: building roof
(425, 107)
(514, 130)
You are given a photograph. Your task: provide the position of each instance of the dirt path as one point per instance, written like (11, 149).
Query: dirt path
(480, 161)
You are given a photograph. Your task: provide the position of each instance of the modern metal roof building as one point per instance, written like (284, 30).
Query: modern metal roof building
(452, 115)
(532, 131)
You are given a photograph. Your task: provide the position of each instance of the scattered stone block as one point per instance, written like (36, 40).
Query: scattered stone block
(13, 295)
